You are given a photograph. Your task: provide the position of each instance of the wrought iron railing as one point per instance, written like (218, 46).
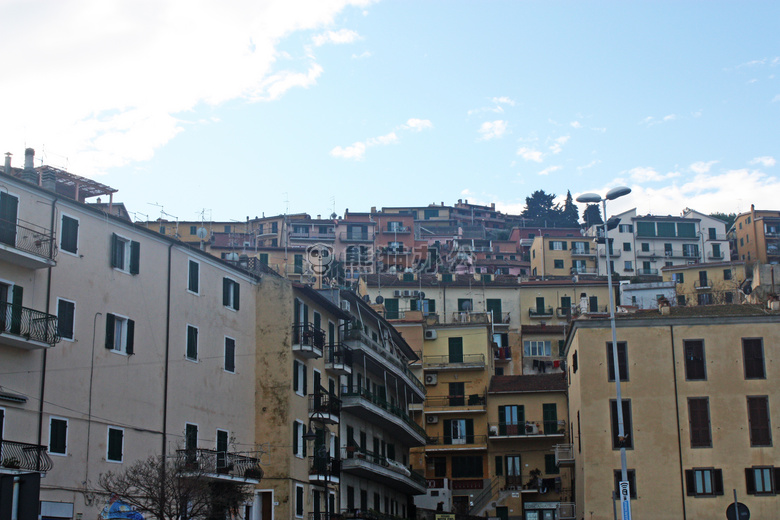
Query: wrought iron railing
(322, 402)
(540, 311)
(449, 440)
(527, 428)
(442, 401)
(23, 456)
(306, 334)
(324, 466)
(28, 323)
(397, 411)
(28, 237)
(356, 452)
(220, 462)
(465, 359)
(338, 354)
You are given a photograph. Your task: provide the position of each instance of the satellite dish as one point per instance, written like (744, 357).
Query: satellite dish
(366, 298)
(422, 295)
(466, 306)
(380, 299)
(202, 233)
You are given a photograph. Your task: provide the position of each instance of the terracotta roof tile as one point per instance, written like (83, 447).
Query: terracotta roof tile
(534, 383)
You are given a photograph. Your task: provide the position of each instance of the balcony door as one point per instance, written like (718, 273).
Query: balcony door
(8, 207)
(509, 419)
(494, 307)
(455, 348)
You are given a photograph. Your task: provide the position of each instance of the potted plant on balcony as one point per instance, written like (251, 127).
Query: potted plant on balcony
(12, 462)
(533, 482)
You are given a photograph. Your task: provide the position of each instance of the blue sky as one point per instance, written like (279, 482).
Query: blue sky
(236, 109)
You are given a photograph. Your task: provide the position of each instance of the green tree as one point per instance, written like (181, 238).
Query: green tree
(570, 215)
(727, 218)
(592, 215)
(540, 210)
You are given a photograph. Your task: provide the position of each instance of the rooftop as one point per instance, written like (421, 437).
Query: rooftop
(534, 383)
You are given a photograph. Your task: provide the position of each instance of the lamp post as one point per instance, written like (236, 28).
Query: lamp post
(593, 198)
(311, 436)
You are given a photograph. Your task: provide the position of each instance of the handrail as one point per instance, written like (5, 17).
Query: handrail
(34, 239)
(527, 428)
(484, 497)
(382, 403)
(338, 354)
(546, 311)
(447, 440)
(24, 456)
(28, 323)
(465, 359)
(223, 462)
(306, 334)
(324, 402)
(356, 452)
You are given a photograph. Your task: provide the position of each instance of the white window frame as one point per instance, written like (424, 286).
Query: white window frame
(232, 294)
(299, 440)
(62, 234)
(189, 268)
(301, 369)
(187, 346)
(557, 245)
(122, 336)
(126, 246)
(537, 348)
(225, 355)
(458, 431)
(73, 325)
(108, 445)
(67, 425)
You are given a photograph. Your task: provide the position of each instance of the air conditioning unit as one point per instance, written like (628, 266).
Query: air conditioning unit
(397, 293)
(416, 294)
(432, 419)
(430, 334)
(407, 293)
(431, 379)
(531, 428)
(344, 305)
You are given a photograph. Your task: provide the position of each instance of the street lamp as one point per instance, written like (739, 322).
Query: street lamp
(593, 198)
(311, 436)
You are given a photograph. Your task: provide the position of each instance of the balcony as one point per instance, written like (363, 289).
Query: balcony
(527, 429)
(220, 465)
(586, 270)
(27, 328)
(361, 344)
(455, 404)
(26, 245)
(324, 406)
(615, 253)
(338, 359)
(565, 312)
(564, 454)
(502, 354)
(324, 469)
(397, 230)
(391, 418)
(394, 251)
(540, 312)
(464, 443)
(582, 252)
(313, 235)
(471, 317)
(20, 456)
(702, 284)
(374, 467)
(715, 238)
(462, 362)
(715, 256)
(647, 272)
(307, 340)
(350, 236)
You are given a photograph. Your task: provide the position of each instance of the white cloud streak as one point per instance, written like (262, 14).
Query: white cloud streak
(530, 154)
(492, 130)
(702, 166)
(357, 151)
(765, 161)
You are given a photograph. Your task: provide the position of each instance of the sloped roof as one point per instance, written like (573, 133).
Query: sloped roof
(533, 383)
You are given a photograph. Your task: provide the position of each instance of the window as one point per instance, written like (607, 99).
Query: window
(628, 441)
(298, 501)
(550, 467)
(193, 278)
(574, 362)
(695, 364)
(558, 264)
(631, 482)
(628, 265)
(626, 228)
(467, 467)
(762, 480)
(678, 277)
(558, 245)
(622, 352)
(230, 355)
(125, 254)
(66, 314)
(455, 350)
(681, 300)
(699, 419)
(222, 448)
(227, 229)
(192, 343)
(704, 299)
(753, 358)
(120, 333)
(458, 431)
(115, 444)
(299, 377)
(727, 274)
(703, 482)
(758, 419)
(626, 246)
(645, 246)
(193, 230)
(299, 443)
(537, 348)
(58, 436)
(230, 293)
(69, 234)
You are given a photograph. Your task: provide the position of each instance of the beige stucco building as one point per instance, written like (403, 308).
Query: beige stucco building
(698, 386)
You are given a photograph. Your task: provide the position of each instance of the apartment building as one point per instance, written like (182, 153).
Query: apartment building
(756, 236)
(706, 284)
(562, 257)
(113, 343)
(698, 388)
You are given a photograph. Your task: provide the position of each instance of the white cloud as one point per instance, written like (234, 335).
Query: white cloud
(126, 72)
(766, 161)
(529, 154)
(357, 151)
(417, 125)
(646, 174)
(551, 169)
(575, 124)
(651, 121)
(503, 101)
(361, 56)
(336, 37)
(557, 145)
(383, 139)
(591, 164)
(492, 130)
(702, 166)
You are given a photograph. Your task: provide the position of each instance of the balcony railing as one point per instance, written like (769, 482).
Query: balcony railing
(585, 270)
(307, 339)
(615, 253)
(446, 401)
(715, 237)
(23, 456)
(540, 312)
(527, 428)
(464, 361)
(583, 252)
(647, 272)
(27, 237)
(356, 237)
(392, 409)
(363, 339)
(503, 354)
(338, 358)
(565, 312)
(324, 406)
(397, 229)
(312, 235)
(449, 440)
(564, 454)
(28, 324)
(702, 284)
(216, 462)
(356, 452)
(324, 467)
(715, 256)
(566, 511)
(471, 317)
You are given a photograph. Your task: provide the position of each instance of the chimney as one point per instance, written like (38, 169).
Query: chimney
(29, 174)
(493, 206)
(8, 163)
(373, 209)
(49, 180)
(583, 303)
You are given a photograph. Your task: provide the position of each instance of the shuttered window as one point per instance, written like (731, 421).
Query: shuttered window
(699, 420)
(758, 418)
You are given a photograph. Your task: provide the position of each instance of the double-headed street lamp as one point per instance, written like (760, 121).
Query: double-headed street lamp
(593, 198)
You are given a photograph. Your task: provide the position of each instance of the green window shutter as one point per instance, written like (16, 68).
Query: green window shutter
(135, 257)
(413, 305)
(550, 467)
(109, 331)
(130, 336)
(295, 437)
(116, 251)
(431, 306)
(499, 466)
(317, 321)
(226, 292)
(305, 381)
(295, 375)
(264, 258)
(230, 355)
(70, 234)
(501, 423)
(447, 431)
(550, 417)
(236, 295)
(194, 276)
(17, 294)
(455, 350)
(469, 431)
(521, 414)
(115, 444)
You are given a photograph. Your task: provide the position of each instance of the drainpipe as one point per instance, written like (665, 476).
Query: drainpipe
(48, 306)
(677, 417)
(167, 357)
